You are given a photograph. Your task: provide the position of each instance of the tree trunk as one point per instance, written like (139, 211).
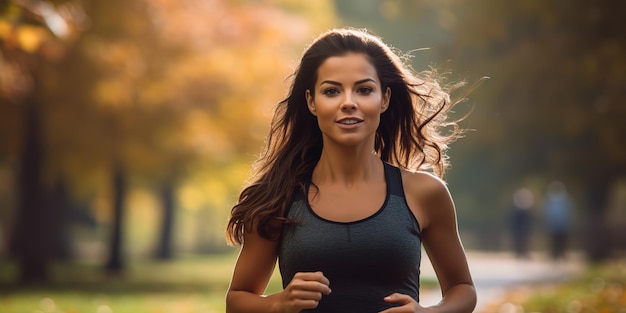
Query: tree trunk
(60, 204)
(597, 243)
(31, 242)
(115, 264)
(164, 250)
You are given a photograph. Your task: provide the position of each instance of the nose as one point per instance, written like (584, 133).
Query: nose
(348, 106)
(348, 103)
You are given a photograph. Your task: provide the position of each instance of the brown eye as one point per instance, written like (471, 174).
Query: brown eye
(330, 92)
(365, 90)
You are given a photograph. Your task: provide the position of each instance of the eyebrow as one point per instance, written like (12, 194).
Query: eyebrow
(355, 83)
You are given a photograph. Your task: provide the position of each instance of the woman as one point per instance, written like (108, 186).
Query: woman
(337, 197)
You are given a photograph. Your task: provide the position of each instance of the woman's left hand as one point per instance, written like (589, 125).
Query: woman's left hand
(406, 302)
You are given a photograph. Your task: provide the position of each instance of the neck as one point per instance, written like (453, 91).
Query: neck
(347, 165)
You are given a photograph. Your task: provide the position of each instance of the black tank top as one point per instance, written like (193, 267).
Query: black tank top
(365, 260)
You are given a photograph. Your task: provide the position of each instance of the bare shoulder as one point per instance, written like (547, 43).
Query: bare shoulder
(427, 196)
(423, 185)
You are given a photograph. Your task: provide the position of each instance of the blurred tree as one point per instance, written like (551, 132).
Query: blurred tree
(177, 90)
(33, 35)
(553, 109)
(556, 98)
(221, 77)
(151, 91)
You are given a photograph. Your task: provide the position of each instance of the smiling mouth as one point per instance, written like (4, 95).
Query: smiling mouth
(349, 121)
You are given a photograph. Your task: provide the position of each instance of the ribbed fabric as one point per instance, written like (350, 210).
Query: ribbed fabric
(364, 260)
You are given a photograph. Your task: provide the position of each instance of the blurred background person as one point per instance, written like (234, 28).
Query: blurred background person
(520, 220)
(557, 212)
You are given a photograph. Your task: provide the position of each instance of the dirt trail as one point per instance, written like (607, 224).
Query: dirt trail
(495, 273)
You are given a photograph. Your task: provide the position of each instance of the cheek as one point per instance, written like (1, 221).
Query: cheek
(325, 107)
(324, 116)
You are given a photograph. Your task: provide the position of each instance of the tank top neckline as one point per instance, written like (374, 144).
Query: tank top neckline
(387, 173)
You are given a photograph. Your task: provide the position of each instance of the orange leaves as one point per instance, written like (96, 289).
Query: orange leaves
(29, 38)
(165, 86)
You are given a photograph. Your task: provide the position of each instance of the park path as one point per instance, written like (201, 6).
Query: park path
(496, 273)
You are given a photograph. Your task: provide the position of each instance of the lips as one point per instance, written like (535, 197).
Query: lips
(349, 121)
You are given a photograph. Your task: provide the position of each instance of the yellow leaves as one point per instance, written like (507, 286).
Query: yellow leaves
(123, 65)
(152, 93)
(202, 135)
(320, 14)
(113, 93)
(27, 25)
(30, 38)
(116, 56)
(211, 193)
(5, 29)
(178, 84)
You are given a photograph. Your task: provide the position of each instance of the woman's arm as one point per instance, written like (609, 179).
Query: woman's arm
(254, 267)
(432, 204)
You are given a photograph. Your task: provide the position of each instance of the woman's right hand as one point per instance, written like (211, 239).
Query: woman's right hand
(304, 292)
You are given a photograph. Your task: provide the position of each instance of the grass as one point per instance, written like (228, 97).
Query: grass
(194, 284)
(185, 285)
(602, 289)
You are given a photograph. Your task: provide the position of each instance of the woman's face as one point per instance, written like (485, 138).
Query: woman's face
(348, 100)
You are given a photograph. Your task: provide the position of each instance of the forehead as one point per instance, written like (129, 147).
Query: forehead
(346, 68)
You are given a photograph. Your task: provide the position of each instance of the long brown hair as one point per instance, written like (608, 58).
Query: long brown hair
(409, 135)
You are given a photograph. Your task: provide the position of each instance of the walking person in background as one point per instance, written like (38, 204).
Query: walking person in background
(521, 221)
(557, 210)
(339, 197)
